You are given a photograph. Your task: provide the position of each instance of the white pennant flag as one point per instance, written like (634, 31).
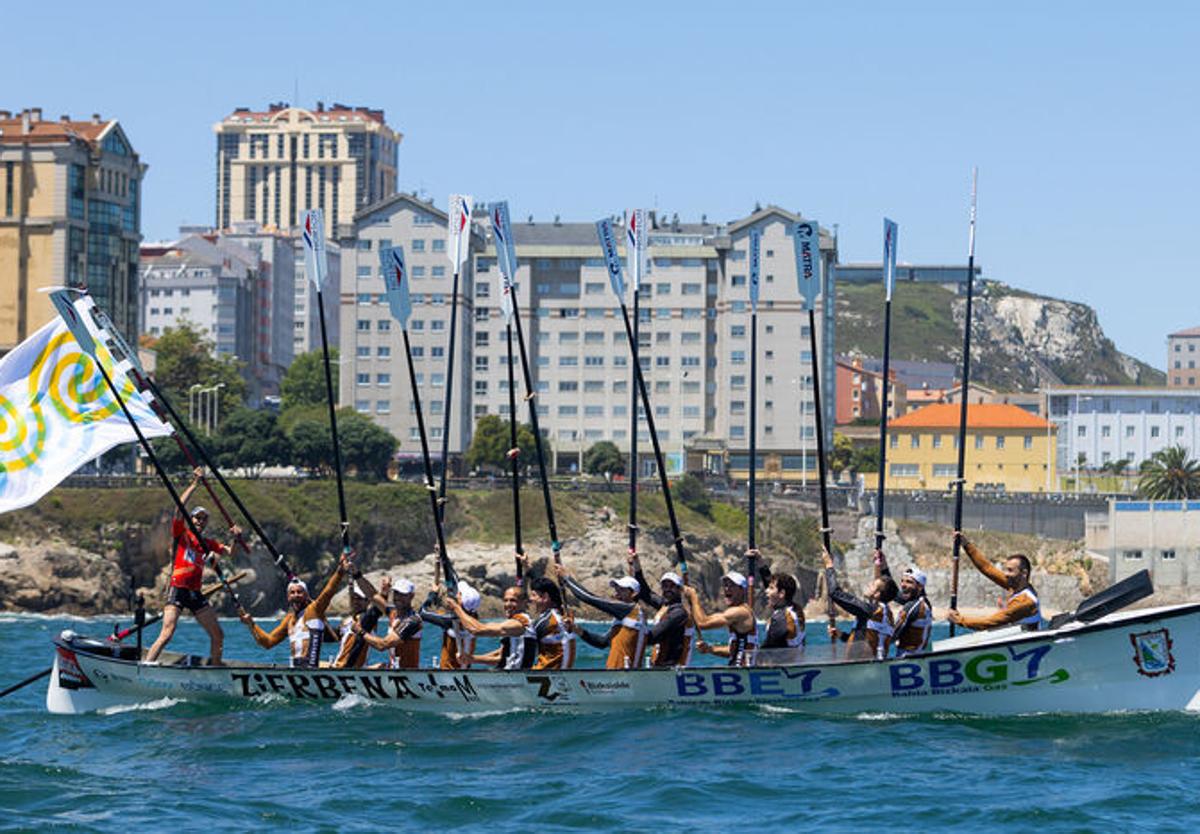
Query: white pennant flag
(636, 242)
(312, 225)
(506, 256)
(459, 222)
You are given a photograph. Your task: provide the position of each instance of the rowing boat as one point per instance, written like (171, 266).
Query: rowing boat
(1126, 661)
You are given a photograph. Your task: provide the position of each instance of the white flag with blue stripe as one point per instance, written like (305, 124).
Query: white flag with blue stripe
(312, 232)
(806, 241)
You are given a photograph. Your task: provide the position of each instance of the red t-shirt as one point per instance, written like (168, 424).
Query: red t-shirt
(188, 571)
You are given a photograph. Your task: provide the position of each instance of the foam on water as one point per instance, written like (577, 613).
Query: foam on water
(149, 706)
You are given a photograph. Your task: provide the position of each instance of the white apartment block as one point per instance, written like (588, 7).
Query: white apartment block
(694, 340)
(373, 376)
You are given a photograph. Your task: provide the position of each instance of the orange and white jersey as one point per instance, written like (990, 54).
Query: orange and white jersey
(556, 643)
(519, 652)
(629, 643)
(304, 640)
(914, 627)
(879, 631)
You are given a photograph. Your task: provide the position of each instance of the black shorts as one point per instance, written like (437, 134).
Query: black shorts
(193, 601)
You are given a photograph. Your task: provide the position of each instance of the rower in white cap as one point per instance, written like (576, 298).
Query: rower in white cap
(671, 628)
(405, 627)
(626, 637)
(458, 644)
(303, 626)
(911, 632)
(737, 617)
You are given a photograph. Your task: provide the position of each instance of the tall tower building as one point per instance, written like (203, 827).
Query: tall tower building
(274, 164)
(70, 213)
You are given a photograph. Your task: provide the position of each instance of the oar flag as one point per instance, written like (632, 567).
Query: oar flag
(806, 241)
(636, 242)
(506, 256)
(755, 263)
(608, 245)
(889, 257)
(312, 232)
(460, 228)
(56, 413)
(395, 281)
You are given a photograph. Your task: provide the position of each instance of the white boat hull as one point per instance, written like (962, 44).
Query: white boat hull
(1139, 660)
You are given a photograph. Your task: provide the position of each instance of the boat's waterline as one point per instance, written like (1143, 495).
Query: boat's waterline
(1130, 661)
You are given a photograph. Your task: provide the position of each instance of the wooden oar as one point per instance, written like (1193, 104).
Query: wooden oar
(208, 591)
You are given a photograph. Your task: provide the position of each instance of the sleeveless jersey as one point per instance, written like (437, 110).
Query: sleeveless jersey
(629, 643)
(519, 652)
(556, 645)
(305, 638)
(408, 654)
(912, 631)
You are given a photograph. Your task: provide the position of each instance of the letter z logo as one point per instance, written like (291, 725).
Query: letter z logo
(544, 692)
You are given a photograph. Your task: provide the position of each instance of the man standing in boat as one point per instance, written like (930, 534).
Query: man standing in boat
(737, 617)
(187, 572)
(303, 626)
(873, 621)
(1020, 607)
(671, 628)
(518, 641)
(626, 637)
(784, 641)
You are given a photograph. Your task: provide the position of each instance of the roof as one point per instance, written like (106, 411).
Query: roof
(979, 416)
(1191, 331)
(30, 127)
(335, 112)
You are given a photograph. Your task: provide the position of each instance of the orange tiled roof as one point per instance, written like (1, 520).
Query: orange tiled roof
(42, 131)
(979, 416)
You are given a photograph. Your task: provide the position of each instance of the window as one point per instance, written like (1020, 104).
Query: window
(937, 441)
(945, 470)
(738, 331)
(999, 442)
(593, 361)
(383, 379)
(1167, 555)
(914, 442)
(363, 406)
(1132, 555)
(383, 324)
(737, 357)
(893, 441)
(1129, 431)
(568, 361)
(978, 441)
(1153, 431)
(418, 246)
(482, 289)
(1029, 441)
(1105, 431)
(383, 406)
(417, 325)
(437, 325)
(1081, 431)
(482, 338)
(383, 351)
(662, 289)
(905, 470)
(1179, 431)
(363, 351)
(363, 324)
(362, 379)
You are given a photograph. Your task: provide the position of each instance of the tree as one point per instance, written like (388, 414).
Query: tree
(865, 459)
(304, 382)
(692, 493)
(604, 458)
(251, 440)
(185, 357)
(842, 455)
(1170, 475)
(367, 447)
(490, 444)
(310, 443)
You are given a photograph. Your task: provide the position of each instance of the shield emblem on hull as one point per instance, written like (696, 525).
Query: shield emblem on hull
(1152, 652)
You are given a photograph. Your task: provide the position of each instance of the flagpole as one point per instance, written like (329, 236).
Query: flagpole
(889, 276)
(396, 281)
(459, 218)
(960, 478)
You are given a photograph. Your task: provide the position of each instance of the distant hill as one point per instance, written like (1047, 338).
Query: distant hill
(1019, 341)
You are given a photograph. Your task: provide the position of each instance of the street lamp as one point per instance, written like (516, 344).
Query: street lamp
(192, 402)
(212, 417)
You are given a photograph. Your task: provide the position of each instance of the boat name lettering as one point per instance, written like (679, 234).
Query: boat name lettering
(324, 686)
(766, 683)
(986, 671)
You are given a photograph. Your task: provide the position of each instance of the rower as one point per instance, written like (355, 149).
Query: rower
(915, 621)
(556, 643)
(626, 637)
(873, 620)
(186, 575)
(405, 629)
(1020, 605)
(458, 644)
(671, 628)
(518, 641)
(303, 626)
(737, 617)
(366, 607)
(784, 641)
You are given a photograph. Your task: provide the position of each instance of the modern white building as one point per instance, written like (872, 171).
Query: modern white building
(1107, 424)
(1160, 536)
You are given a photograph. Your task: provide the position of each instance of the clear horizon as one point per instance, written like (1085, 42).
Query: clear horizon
(1077, 116)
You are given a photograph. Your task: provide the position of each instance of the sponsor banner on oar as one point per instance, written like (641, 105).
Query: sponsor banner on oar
(755, 265)
(395, 281)
(890, 231)
(637, 235)
(806, 241)
(506, 256)
(459, 222)
(612, 260)
(312, 225)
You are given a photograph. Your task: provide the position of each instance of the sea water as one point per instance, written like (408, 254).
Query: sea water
(354, 766)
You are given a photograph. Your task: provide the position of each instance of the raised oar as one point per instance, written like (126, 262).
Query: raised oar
(313, 223)
(514, 451)
(889, 280)
(71, 316)
(617, 280)
(755, 243)
(459, 222)
(806, 240)
(502, 232)
(396, 279)
(960, 477)
(208, 591)
(636, 240)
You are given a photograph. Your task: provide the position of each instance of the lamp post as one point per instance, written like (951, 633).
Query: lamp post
(192, 402)
(212, 417)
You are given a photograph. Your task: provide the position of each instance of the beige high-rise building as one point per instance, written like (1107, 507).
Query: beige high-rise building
(274, 164)
(70, 214)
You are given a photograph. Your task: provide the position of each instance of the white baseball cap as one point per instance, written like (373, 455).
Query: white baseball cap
(916, 574)
(627, 582)
(469, 596)
(198, 511)
(297, 582)
(736, 578)
(403, 586)
(672, 576)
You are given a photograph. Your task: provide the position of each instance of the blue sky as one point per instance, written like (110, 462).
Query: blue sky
(1082, 117)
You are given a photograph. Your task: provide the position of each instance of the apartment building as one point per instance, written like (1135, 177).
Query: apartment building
(860, 392)
(272, 165)
(373, 373)
(70, 213)
(1183, 354)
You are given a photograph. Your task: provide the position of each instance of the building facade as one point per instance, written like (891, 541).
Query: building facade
(374, 375)
(1102, 424)
(1183, 355)
(1159, 536)
(871, 273)
(1008, 449)
(860, 392)
(274, 164)
(70, 213)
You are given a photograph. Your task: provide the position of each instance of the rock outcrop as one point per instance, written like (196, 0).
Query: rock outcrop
(53, 576)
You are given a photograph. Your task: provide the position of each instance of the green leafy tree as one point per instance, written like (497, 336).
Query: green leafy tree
(865, 459)
(842, 455)
(304, 382)
(310, 443)
(251, 440)
(1170, 475)
(367, 447)
(185, 357)
(604, 458)
(692, 493)
(490, 444)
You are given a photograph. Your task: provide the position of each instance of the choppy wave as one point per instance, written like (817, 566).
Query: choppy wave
(148, 706)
